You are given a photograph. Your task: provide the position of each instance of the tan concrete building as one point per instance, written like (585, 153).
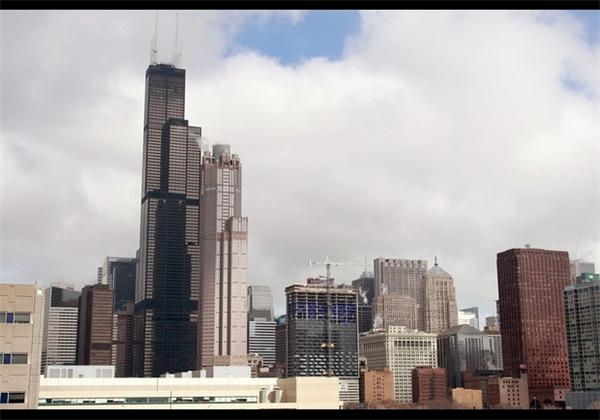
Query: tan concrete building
(393, 309)
(190, 393)
(438, 301)
(467, 398)
(376, 386)
(21, 324)
(401, 350)
(508, 392)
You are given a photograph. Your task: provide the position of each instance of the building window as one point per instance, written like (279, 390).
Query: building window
(22, 318)
(2, 317)
(9, 317)
(6, 358)
(16, 397)
(19, 359)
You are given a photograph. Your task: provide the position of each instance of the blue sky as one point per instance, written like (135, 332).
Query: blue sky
(322, 33)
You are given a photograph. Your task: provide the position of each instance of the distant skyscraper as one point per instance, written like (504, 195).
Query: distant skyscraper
(393, 309)
(438, 301)
(59, 344)
(281, 345)
(119, 274)
(578, 267)
(94, 327)
(312, 349)
(462, 348)
(401, 277)
(532, 318)
(401, 350)
(365, 288)
(470, 315)
(223, 319)
(166, 293)
(260, 303)
(582, 312)
(123, 344)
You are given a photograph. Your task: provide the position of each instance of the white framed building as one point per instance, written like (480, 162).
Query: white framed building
(400, 350)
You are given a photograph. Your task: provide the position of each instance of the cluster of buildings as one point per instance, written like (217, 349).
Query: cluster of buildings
(178, 326)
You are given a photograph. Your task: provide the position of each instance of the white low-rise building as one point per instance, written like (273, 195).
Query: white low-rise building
(190, 393)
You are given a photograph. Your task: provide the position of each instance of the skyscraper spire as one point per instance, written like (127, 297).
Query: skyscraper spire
(435, 261)
(176, 49)
(154, 44)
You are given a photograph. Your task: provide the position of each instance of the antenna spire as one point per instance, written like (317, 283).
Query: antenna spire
(154, 48)
(435, 259)
(177, 50)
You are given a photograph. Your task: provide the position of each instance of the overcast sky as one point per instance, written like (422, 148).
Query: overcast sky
(396, 134)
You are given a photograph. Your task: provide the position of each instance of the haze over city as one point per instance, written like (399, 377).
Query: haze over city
(391, 134)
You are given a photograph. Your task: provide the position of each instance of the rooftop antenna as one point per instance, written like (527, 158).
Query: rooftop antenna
(154, 45)
(176, 51)
(365, 262)
(435, 261)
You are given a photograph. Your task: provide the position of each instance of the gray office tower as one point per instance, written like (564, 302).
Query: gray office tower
(59, 342)
(582, 315)
(401, 277)
(167, 275)
(261, 325)
(322, 342)
(119, 274)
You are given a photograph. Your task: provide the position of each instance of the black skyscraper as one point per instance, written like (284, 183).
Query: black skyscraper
(167, 273)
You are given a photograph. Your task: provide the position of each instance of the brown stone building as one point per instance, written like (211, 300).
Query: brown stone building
(122, 347)
(438, 301)
(508, 392)
(95, 325)
(429, 385)
(532, 319)
(376, 386)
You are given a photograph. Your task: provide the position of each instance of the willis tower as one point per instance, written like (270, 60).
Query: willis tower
(167, 282)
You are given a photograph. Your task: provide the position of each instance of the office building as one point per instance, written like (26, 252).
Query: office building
(184, 391)
(365, 287)
(21, 323)
(532, 319)
(463, 348)
(261, 341)
(492, 321)
(507, 392)
(579, 267)
(167, 274)
(467, 398)
(400, 350)
(438, 301)
(223, 318)
(402, 277)
(582, 314)
(376, 386)
(59, 344)
(429, 385)
(393, 309)
(281, 343)
(365, 318)
(469, 316)
(123, 345)
(260, 303)
(119, 274)
(318, 346)
(95, 325)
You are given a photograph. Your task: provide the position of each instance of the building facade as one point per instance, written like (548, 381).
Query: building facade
(21, 324)
(260, 303)
(473, 316)
(95, 326)
(402, 277)
(261, 341)
(167, 274)
(393, 309)
(281, 345)
(429, 385)
(365, 287)
(223, 317)
(322, 342)
(119, 274)
(463, 348)
(123, 344)
(400, 350)
(532, 318)
(438, 301)
(59, 344)
(376, 386)
(582, 314)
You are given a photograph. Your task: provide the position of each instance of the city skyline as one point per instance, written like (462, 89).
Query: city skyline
(376, 153)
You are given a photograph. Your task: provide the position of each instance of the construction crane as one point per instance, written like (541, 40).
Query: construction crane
(329, 345)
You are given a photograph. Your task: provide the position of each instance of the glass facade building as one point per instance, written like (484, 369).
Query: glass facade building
(119, 274)
(167, 274)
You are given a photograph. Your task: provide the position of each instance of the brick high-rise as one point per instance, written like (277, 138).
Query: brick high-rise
(532, 318)
(95, 325)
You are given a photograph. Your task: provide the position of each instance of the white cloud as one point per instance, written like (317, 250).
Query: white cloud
(438, 133)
